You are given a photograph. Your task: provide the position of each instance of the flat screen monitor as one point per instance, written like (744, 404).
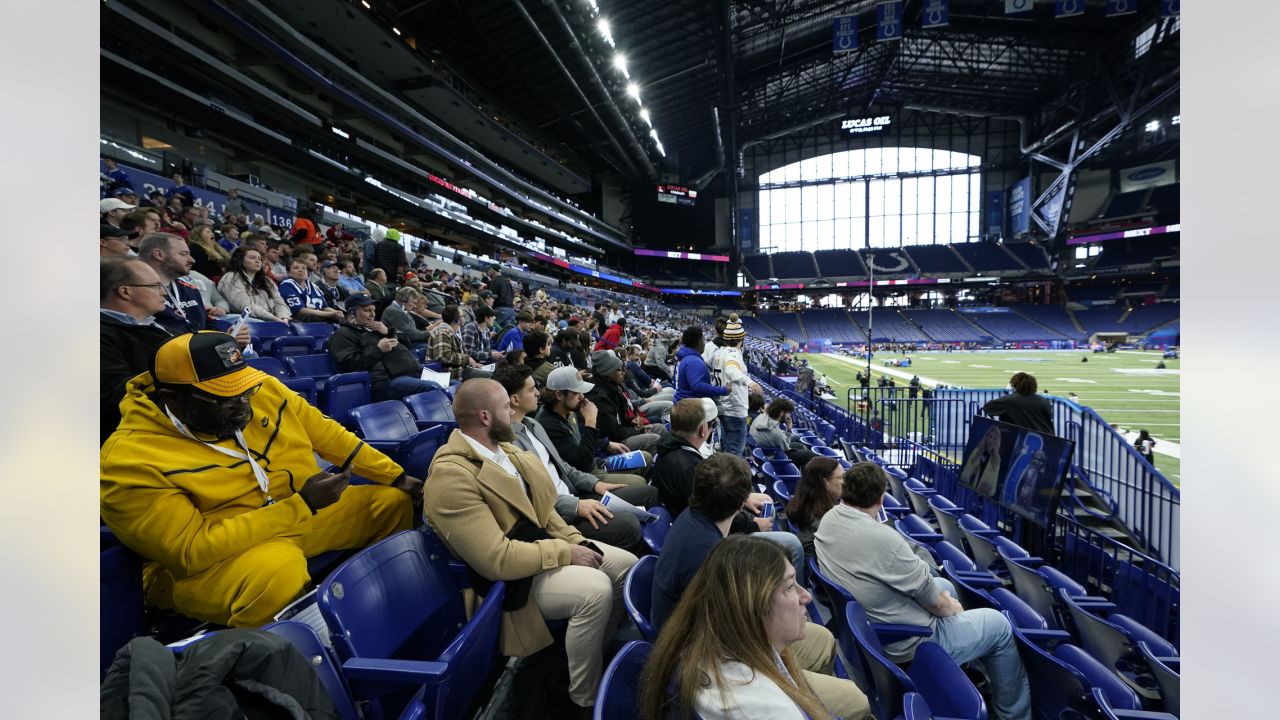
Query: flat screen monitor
(1018, 468)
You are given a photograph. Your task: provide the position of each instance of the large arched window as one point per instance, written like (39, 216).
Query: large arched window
(877, 197)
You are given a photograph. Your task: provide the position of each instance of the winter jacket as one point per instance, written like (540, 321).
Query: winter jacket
(190, 316)
(124, 350)
(210, 678)
(389, 255)
(263, 305)
(398, 319)
(614, 418)
(473, 505)
(575, 442)
(186, 506)
(354, 348)
(672, 473)
(611, 338)
(693, 378)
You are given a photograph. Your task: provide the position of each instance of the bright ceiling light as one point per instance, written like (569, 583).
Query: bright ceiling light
(395, 30)
(366, 4)
(634, 91)
(602, 25)
(644, 115)
(1153, 126)
(653, 134)
(620, 62)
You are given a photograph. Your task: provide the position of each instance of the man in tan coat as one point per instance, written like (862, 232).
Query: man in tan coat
(493, 505)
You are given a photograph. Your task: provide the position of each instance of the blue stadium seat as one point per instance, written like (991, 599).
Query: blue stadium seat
(344, 392)
(893, 508)
(283, 347)
(317, 366)
(264, 334)
(433, 407)
(637, 594)
(1112, 639)
(655, 532)
(1063, 677)
(896, 479)
(918, 495)
(1038, 585)
(913, 527)
(1167, 671)
(619, 693)
(932, 672)
(823, 451)
(304, 386)
(400, 627)
(319, 332)
(120, 601)
(780, 492)
(777, 474)
(321, 659)
(388, 426)
(270, 366)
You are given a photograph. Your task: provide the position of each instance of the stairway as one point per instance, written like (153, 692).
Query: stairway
(1093, 511)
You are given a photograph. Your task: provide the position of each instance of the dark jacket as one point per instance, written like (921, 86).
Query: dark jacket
(398, 319)
(123, 351)
(354, 348)
(692, 537)
(575, 442)
(672, 473)
(1029, 411)
(389, 255)
(693, 378)
(503, 294)
(615, 415)
(190, 317)
(232, 673)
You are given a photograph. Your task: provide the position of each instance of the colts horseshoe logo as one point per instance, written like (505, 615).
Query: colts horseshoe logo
(902, 263)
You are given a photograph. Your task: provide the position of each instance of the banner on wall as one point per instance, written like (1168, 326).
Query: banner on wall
(1116, 8)
(746, 229)
(1018, 7)
(889, 21)
(1148, 176)
(1067, 8)
(844, 33)
(1020, 207)
(148, 182)
(995, 213)
(935, 14)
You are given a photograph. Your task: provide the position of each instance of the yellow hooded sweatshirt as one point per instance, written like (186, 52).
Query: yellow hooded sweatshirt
(186, 506)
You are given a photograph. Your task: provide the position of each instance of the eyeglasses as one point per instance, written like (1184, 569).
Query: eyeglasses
(158, 287)
(218, 400)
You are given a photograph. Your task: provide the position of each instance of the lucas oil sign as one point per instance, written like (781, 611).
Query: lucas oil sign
(865, 125)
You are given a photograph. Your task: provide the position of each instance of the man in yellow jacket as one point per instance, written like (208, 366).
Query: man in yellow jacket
(212, 477)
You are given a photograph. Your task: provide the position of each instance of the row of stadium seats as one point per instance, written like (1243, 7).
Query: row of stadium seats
(960, 258)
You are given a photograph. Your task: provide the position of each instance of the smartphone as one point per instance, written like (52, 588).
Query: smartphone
(346, 466)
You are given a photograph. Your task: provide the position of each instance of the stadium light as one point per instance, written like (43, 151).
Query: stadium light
(634, 91)
(366, 4)
(1177, 120)
(1153, 126)
(602, 25)
(395, 30)
(644, 115)
(620, 62)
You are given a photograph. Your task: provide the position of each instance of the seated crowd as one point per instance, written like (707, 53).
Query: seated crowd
(209, 466)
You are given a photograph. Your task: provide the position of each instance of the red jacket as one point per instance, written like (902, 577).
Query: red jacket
(611, 338)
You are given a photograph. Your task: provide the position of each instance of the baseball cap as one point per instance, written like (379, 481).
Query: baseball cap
(566, 378)
(328, 264)
(124, 191)
(360, 300)
(486, 293)
(208, 360)
(111, 231)
(708, 410)
(109, 204)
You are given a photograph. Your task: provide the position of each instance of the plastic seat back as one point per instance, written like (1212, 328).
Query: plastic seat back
(619, 693)
(416, 453)
(322, 660)
(655, 532)
(383, 421)
(637, 595)
(1020, 613)
(781, 492)
(947, 552)
(269, 365)
(836, 598)
(945, 687)
(824, 451)
(319, 332)
(889, 682)
(264, 334)
(343, 393)
(433, 406)
(896, 479)
(985, 555)
(283, 347)
(918, 496)
(318, 366)
(1058, 689)
(782, 469)
(948, 524)
(1113, 644)
(120, 599)
(915, 707)
(393, 602)
(304, 386)
(1032, 588)
(1167, 671)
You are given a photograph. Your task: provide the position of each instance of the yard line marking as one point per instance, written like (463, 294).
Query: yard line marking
(1077, 380)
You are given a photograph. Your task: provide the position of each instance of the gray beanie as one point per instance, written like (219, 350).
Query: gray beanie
(604, 362)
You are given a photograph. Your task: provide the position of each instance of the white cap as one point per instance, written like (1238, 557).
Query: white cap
(109, 204)
(566, 378)
(709, 410)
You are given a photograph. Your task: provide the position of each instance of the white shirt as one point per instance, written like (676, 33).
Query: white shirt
(497, 457)
(751, 696)
(545, 457)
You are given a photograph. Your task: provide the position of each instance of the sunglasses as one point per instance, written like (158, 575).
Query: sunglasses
(219, 400)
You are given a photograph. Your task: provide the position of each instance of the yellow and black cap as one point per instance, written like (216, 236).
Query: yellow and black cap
(208, 360)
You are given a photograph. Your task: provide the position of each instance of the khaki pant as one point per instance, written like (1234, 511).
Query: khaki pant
(591, 600)
(248, 589)
(816, 655)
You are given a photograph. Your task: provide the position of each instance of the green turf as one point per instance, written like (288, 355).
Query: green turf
(1131, 400)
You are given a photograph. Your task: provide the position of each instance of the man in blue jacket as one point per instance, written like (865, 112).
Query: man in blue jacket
(693, 378)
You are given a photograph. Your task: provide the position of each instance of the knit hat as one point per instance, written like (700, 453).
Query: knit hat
(733, 330)
(392, 234)
(604, 363)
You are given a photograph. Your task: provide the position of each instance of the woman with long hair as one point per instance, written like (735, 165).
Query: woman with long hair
(817, 492)
(247, 288)
(205, 250)
(725, 651)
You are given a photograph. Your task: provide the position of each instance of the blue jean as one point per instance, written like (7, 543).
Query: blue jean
(985, 634)
(795, 550)
(505, 318)
(733, 435)
(402, 387)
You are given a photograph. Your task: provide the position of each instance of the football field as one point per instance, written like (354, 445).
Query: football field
(1124, 387)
